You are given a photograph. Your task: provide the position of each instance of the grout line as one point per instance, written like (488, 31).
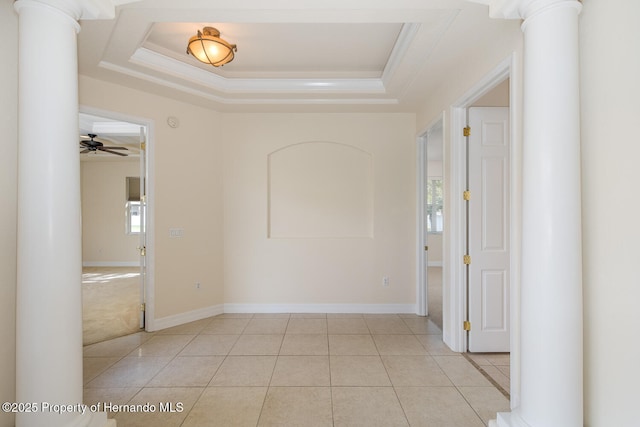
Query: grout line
(493, 382)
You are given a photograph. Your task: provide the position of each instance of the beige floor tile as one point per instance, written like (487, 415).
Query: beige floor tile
(486, 401)
(234, 316)
(345, 316)
(117, 346)
(247, 371)
(398, 345)
(226, 326)
(301, 371)
(115, 396)
(94, 366)
(257, 345)
(434, 345)
(297, 406)
(191, 328)
(498, 377)
(181, 400)
(308, 316)
(272, 315)
(210, 345)
(129, 372)
(414, 371)
(387, 325)
(265, 325)
(506, 370)
(358, 371)
(307, 326)
(227, 406)
(460, 371)
(437, 406)
(422, 325)
(305, 345)
(352, 345)
(366, 407)
(498, 359)
(162, 346)
(189, 371)
(348, 326)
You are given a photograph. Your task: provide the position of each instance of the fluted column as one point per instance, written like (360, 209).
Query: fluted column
(49, 299)
(551, 384)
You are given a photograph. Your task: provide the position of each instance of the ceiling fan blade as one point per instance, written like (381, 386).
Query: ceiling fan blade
(85, 151)
(85, 143)
(117, 148)
(112, 152)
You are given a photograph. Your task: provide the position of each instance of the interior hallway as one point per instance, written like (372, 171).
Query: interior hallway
(292, 369)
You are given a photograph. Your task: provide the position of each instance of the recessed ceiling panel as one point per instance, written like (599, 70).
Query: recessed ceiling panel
(359, 50)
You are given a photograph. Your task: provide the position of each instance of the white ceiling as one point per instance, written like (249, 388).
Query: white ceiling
(303, 55)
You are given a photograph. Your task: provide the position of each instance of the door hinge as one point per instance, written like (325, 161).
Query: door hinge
(466, 259)
(143, 250)
(143, 307)
(466, 195)
(143, 198)
(466, 131)
(426, 248)
(466, 325)
(143, 146)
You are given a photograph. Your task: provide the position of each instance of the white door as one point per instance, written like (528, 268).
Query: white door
(489, 216)
(143, 225)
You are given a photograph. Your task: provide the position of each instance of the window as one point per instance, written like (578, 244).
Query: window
(434, 205)
(133, 210)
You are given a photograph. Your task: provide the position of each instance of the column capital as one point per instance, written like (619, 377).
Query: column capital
(76, 9)
(522, 9)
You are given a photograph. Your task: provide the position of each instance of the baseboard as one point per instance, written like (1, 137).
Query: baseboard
(182, 318)
(320, 308)
(111, 264)
(434, 264)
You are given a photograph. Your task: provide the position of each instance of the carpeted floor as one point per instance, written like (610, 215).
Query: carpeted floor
(110, 302)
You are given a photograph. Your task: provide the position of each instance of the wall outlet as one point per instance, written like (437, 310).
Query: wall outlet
(385, 281)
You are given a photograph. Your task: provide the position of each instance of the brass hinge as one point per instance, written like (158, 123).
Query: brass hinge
(466, 195)
(142, 250)
(426, 248)
(143, 307)
(466, 325)
(143, 146)
(466, 259)
(466, 131)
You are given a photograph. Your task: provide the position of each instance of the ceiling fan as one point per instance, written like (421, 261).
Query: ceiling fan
(94, 146)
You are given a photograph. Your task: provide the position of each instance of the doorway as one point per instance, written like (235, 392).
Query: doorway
(431, 220)
(114, 207)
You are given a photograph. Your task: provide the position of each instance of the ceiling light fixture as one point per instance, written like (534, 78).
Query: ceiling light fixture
(208, 47)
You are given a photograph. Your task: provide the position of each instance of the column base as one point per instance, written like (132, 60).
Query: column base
(508, 419)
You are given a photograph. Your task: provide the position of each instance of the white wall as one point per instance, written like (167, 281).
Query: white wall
(610, 66)
(187, 194)
(104, 241)
(322, 270)
(8, 203)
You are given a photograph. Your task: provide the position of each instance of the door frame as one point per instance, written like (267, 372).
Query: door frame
(454, 276)
(150, 205)
(422, 282)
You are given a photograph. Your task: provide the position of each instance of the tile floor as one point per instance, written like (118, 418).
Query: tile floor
(292, 370)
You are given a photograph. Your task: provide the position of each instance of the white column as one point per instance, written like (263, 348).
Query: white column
(551, 385)
(49, 300)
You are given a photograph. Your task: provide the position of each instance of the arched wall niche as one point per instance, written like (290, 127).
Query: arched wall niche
(320, 189)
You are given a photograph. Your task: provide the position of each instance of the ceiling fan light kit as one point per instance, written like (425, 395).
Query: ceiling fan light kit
(93, 146)
(209, 48)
